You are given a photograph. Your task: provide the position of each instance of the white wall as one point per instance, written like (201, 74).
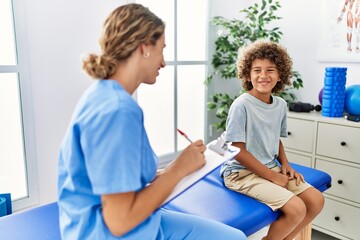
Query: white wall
(58, 33)
(301, 24)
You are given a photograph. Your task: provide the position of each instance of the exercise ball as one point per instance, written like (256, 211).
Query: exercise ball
(321, 95)
(352, 100)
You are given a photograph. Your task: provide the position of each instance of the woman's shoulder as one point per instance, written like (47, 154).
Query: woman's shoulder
(104, 98)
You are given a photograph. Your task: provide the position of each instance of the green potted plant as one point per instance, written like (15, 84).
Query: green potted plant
(236, 33)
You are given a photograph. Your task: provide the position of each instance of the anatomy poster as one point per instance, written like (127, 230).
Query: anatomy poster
(341, 31)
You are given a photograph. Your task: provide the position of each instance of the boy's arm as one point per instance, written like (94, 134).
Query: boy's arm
(247, 160)
(282, 156)
(286, 169)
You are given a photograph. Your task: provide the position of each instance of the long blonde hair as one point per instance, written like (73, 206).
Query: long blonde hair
(124, 30)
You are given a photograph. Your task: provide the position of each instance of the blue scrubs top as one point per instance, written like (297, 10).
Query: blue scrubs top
(105, 150)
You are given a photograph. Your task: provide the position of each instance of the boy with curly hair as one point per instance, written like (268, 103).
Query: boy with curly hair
(255, 123)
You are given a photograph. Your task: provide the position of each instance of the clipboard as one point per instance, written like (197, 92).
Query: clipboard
(213, 160)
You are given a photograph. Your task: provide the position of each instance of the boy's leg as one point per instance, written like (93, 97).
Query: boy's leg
(276, 197)
(314, 202)
(293, 213)
(177, 225)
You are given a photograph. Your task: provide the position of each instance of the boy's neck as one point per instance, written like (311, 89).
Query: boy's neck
(264, 97)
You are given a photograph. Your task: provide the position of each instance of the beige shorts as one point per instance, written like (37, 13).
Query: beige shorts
(271, 194)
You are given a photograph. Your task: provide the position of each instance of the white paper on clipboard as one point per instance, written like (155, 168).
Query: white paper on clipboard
(213, 160)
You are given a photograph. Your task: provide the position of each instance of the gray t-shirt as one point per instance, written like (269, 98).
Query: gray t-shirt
(259, 125)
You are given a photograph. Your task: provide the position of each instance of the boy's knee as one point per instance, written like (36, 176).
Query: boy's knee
(300, 210)
(317, 202)
(295, 209)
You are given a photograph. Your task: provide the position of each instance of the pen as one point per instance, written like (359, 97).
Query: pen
(184, 135)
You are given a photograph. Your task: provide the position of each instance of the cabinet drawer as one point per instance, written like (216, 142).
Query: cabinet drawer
(340, 142)
(345, 180)
(339, 218)
(300, 135)
(299, 159)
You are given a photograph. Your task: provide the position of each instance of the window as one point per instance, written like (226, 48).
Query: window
(17, 156)
(177, 100)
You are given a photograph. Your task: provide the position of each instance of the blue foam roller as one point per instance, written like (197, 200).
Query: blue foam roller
(328, 80)
(334, 92)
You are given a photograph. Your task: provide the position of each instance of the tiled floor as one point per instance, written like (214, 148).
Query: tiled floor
(321, 236)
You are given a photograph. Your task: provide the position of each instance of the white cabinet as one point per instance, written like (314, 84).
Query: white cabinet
(300, 135)
(339, 141)
(299, 158)
(333, 146)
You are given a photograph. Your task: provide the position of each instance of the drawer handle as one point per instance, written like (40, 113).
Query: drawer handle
(340, 181)
(337, 218)
(343, 143)
(289, 133)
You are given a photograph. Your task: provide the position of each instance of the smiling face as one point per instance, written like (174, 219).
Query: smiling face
(264, 76)
(155, 61)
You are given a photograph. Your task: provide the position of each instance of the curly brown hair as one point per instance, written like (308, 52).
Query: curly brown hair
(264, 49)
(125, 29)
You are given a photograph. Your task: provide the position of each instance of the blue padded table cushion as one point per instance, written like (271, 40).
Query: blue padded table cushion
(208, 197)
(40, 223)
(211, 199)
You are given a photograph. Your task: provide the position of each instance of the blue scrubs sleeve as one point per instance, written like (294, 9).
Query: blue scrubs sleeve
(112, 146)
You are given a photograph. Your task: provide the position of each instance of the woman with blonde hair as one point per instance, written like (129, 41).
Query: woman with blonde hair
(107, 177)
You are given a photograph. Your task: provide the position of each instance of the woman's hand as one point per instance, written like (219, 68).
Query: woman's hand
(123, 211)
(191, 159)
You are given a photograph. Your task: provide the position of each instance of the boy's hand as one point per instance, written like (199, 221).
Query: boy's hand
(286, 169)
(281, 180)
